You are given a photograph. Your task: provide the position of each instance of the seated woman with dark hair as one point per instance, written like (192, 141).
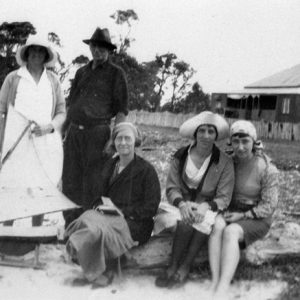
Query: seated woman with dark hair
(97, 238)
(200, 179)
(249, 216)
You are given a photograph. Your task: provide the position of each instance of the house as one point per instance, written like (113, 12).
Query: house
(275, 98)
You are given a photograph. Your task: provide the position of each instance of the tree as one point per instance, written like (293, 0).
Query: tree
(76, 62)
(181, 74)
(64, 70)
(12, 35)
(140, 79)
(140, 76)
(63, 73)
(195, 102)
(54, 39)
(164, 63)
(125, 17)
(172, 74)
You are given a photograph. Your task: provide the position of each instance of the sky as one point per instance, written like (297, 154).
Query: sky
(230, 43)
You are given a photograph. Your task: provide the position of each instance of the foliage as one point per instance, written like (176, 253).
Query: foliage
(76, 62)
(140, 81)
(125, 17)
(164, 63)
(55, 40)
(12, 35)
(174, 74)
(181, 74)
(140, 76)
(148, 83)
(195, 101)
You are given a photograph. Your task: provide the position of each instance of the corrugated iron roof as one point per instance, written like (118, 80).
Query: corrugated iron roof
(289, 78)
(262, 91)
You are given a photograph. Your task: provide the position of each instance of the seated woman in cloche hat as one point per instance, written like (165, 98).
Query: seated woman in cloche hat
(249, 215)
(98, 238)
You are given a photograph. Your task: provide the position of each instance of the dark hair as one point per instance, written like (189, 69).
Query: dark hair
(241, 135)
(26, 53)
(211, 125)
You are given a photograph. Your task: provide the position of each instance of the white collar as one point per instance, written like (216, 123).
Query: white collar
(23, 72)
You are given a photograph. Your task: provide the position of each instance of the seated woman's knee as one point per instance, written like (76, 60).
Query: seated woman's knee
(233, 232)
(219, 225)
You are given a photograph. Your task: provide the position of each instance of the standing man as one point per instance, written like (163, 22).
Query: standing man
(98, 93)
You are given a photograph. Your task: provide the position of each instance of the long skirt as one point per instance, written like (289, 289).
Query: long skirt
(95, 238)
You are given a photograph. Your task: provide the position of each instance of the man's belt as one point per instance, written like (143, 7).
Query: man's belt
(89, 126)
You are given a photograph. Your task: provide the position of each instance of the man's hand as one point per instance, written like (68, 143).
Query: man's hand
(40, 130)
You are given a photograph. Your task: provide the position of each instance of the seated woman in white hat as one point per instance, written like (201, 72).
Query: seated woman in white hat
(97, 239)
(35, 92)
(249, 215)
(200, 179)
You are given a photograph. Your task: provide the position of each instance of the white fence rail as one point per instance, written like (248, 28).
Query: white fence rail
(265, 129)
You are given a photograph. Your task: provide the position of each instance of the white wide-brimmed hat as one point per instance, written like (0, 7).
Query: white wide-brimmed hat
(189, 127)
(245, 127)
(36, 41)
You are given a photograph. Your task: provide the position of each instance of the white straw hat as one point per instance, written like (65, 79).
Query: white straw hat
(37, 41)
(188, 128)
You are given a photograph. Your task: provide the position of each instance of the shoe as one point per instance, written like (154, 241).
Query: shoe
(162, 280)
(103, 280)
(177, 281)
(79, 282)
(75, 261)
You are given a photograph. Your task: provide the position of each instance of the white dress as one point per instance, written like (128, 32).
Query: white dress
(35, 102)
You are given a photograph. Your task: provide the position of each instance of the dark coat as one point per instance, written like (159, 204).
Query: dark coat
(136, 191)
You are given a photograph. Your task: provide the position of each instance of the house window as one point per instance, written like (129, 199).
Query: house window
(267, 102)
(286, 105)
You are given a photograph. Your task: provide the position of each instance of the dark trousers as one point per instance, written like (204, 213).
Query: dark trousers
(83, 161)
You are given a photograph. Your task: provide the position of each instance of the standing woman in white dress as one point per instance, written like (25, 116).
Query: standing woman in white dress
(35, 93)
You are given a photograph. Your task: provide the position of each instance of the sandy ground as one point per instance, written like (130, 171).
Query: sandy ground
(55, 281)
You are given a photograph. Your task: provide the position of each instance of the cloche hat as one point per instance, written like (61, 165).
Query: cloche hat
(35, 40)
(101, 37)
(189, 127)
(245, 127)
(122, 126)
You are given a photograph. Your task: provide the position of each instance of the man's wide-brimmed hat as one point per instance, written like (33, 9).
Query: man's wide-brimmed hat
(35, 40)
(189, 127)
(101, 37)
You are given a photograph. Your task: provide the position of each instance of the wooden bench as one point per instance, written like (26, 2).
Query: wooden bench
(28, 238)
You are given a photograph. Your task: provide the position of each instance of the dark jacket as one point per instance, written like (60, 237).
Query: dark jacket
(216, 188)
(136, 191)
(97, 94)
